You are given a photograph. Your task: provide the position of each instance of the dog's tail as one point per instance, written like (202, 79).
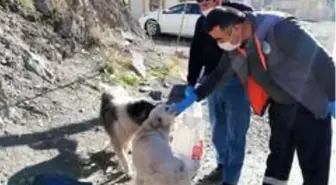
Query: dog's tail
(106, 101)
(107, 109)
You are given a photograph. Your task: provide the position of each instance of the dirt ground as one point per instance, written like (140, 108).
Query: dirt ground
(55, 130)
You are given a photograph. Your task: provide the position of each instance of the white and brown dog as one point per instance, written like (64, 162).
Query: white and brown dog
(121, 119)
(153, 159)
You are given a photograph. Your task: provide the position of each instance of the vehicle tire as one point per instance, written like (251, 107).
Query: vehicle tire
(152, 28)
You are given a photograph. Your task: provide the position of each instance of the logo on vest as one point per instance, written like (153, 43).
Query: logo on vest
(266, 48)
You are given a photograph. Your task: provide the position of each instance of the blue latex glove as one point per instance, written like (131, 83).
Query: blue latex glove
(190, 98)
(189, 90)
(331, 108)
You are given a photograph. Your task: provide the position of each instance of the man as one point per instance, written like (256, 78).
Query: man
(282, 66)
(229, 109)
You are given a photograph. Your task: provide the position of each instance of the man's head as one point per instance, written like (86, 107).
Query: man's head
(208, 5)
(226, 26)
(160, 118)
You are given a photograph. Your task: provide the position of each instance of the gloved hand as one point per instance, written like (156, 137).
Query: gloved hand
(189, 99)
(331, 108)
(189, 90)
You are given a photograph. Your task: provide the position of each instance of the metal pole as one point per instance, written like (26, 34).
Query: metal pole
(181, 26)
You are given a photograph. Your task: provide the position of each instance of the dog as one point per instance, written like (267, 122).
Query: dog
(153, 159)
(121, 118)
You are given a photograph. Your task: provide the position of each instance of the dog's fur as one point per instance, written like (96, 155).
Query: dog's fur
(153, 159)
(121, 118)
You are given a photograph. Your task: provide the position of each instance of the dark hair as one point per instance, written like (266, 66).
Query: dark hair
(223, 17)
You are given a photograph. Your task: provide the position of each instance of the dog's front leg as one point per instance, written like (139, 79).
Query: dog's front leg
(119, 150)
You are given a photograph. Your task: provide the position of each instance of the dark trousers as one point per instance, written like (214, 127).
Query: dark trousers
(295, 128)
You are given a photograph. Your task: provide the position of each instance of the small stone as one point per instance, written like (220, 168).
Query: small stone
(138, 63)
(40, 123)
(109, 170)
(92, 165)
(114, 171)
(37, 65)
(144, 83)
(156, 95)
(31, 17)
(165, 84)
(43, 6)
(145, 89)
(6, 133)
(83, 51)
(81, 110)
(3, 61)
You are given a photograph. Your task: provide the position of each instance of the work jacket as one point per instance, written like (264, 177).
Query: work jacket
(288, 66)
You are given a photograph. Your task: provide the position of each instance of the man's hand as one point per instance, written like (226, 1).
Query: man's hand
(189, 99)
(331, 108)
(189, 90)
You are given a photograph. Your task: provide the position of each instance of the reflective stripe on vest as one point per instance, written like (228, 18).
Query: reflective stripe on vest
(257, 95)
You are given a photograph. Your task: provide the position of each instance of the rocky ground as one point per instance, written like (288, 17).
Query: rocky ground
(49, 102)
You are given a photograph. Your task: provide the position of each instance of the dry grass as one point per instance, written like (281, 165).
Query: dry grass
(118, 69)
(96, 36)
(171, 66)
(29, 4)
(61, 6)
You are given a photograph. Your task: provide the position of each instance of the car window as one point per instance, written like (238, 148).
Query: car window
(178, 9)
(193, 9)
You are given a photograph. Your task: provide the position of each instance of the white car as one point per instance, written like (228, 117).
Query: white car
(169, 21)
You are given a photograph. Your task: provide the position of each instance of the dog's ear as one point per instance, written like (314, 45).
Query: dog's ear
(140, 110)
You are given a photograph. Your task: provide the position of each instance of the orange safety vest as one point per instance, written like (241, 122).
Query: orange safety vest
(257, 95)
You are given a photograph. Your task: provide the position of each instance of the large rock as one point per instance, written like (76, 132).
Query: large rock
(44, 6)
(37, 65)
(138, 63)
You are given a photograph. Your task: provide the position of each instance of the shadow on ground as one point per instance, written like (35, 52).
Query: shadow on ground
(31, 138)
(67, 162)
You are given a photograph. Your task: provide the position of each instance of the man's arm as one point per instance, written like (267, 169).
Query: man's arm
(219, 77)
(196, 54)
(297, 43)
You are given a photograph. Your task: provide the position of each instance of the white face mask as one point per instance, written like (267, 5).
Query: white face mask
(207, 11)
(227, 46)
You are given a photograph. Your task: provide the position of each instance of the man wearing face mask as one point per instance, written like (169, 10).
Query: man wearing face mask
(229, 109)
(281, 66)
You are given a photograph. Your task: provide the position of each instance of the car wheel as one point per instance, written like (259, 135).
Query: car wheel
(152, 28)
